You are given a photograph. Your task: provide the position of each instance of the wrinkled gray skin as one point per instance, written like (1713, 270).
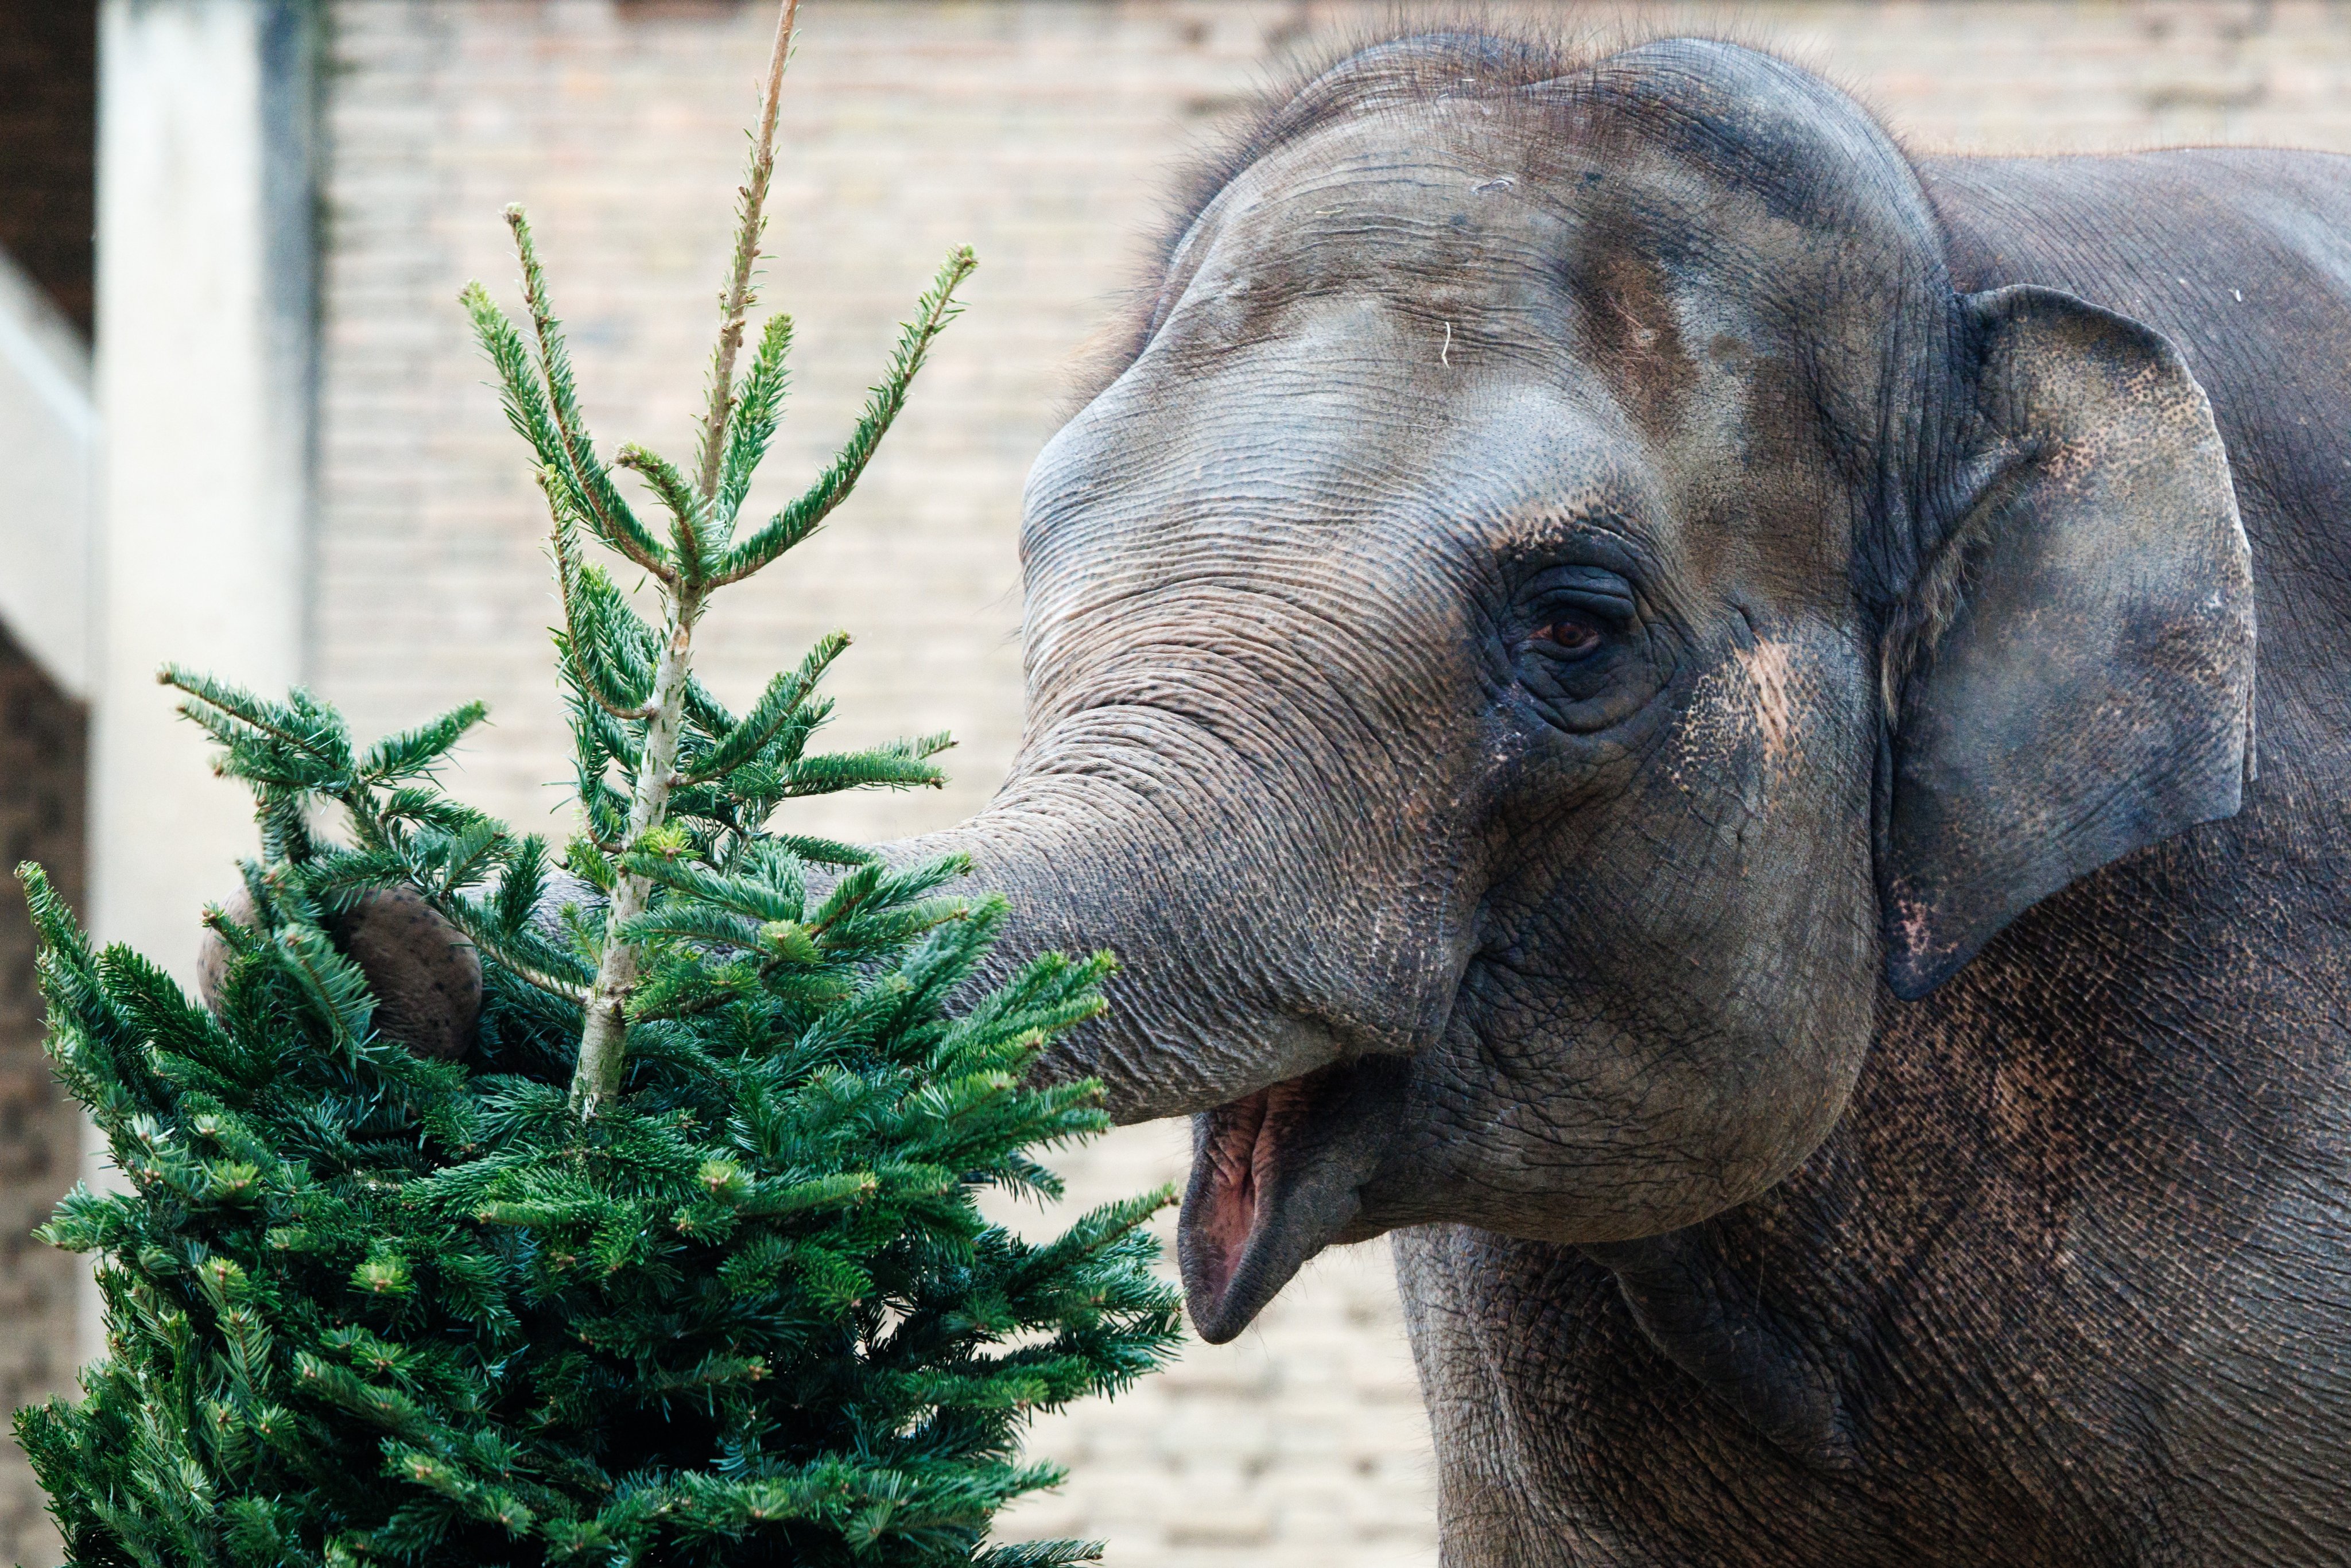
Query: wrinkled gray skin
(1745, 1213)
(1659, 702)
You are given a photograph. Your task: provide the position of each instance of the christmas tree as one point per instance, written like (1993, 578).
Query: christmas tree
(495, 1213)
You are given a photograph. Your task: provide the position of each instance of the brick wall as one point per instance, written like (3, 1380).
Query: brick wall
(1042, 133)
(48, 132)
(41, 756)
(48, 144)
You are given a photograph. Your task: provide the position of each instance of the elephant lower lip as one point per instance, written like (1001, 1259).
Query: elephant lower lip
(1274, 1180)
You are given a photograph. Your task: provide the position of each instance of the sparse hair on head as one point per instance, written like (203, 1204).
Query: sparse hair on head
(1414, 61)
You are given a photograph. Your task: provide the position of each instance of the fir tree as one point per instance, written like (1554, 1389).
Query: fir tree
(681, 1262)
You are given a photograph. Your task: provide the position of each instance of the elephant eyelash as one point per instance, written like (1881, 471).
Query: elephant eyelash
(1594, 590)
(1607, 612)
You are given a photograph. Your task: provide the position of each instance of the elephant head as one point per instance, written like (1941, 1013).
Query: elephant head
(1562, 607)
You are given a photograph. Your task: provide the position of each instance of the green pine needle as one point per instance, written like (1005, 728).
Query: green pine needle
(370, 1311)
(787, 528)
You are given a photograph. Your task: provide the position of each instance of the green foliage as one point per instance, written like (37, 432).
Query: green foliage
(367, 1307)
(363, 1307)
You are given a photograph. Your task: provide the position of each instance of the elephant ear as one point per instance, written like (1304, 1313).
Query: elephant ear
(2072, 676)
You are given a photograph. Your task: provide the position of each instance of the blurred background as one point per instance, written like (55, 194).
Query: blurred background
(242, 426)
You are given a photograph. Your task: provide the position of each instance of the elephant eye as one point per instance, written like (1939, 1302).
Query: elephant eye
(1570, 635)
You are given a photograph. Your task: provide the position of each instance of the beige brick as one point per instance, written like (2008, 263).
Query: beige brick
(41, 763)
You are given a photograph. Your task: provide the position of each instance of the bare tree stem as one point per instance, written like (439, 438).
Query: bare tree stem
(603, 1042)
(735, 308)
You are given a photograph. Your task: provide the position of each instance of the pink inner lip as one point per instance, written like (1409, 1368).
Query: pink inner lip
(1234, 1207)
(1241, 1161)
(1277, 1176)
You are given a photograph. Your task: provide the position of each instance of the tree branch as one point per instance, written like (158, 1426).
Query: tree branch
(736, 303)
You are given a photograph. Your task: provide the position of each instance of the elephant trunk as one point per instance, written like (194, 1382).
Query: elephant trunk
(1182, 1035)
(1259, 940)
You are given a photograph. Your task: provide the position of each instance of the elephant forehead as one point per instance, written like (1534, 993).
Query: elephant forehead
(1415, 208)
(1494, 233)
(1408, 335)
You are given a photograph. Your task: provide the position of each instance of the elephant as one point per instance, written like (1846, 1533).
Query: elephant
(1659, 699)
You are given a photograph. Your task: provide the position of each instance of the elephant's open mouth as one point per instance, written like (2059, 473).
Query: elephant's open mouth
(1276, 1177)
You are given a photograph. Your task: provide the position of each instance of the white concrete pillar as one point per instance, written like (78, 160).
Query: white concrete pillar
(44, 503)
(203, 376)
(204, 389)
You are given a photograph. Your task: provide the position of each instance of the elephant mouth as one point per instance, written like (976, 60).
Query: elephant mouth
(1277, 1176)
